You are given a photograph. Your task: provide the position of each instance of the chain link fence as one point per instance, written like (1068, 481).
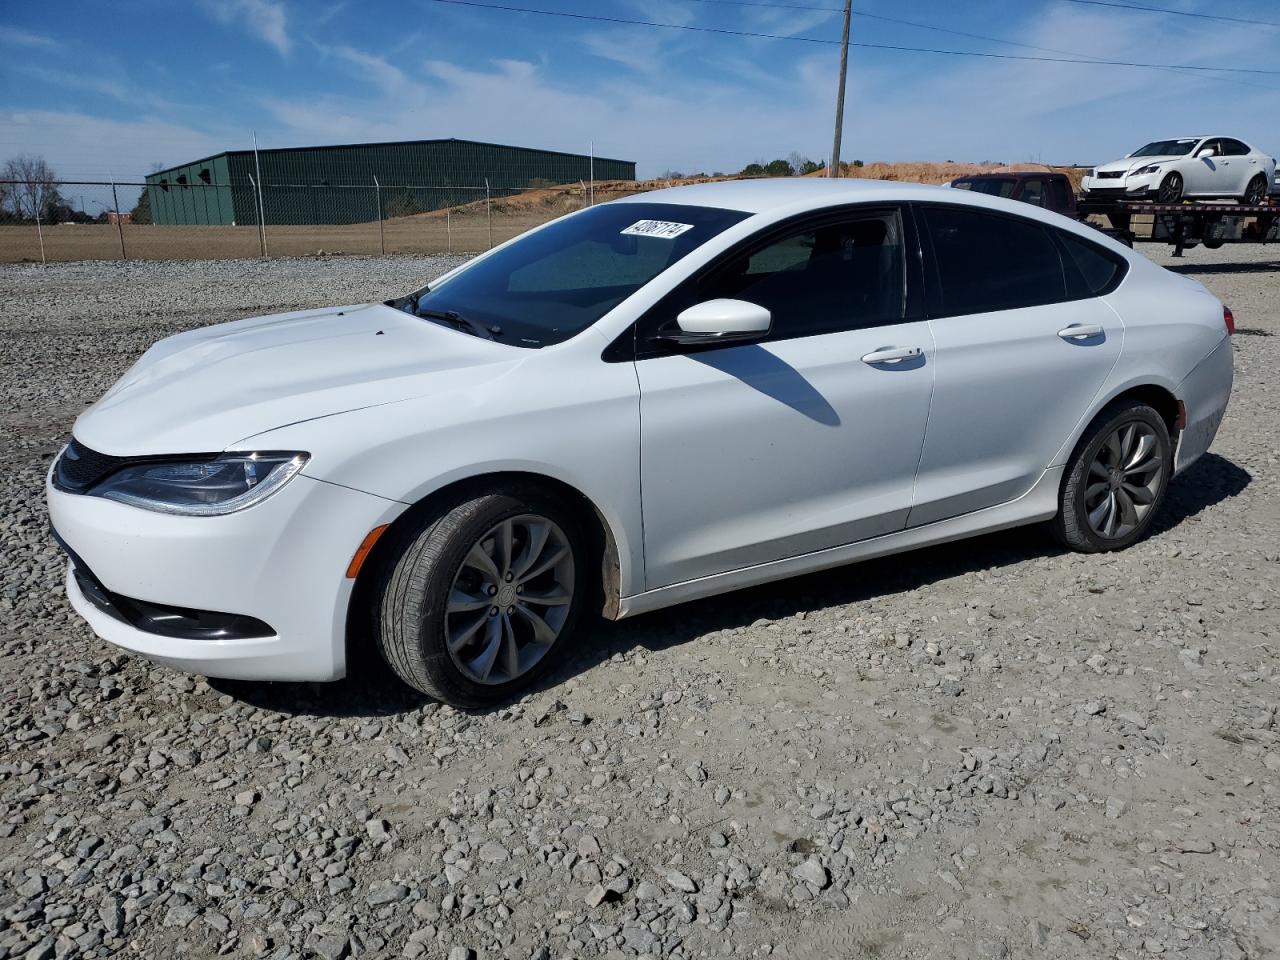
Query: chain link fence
(101, 220)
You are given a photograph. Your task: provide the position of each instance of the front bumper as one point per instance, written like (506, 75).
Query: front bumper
(1129, 187)
(281, 562)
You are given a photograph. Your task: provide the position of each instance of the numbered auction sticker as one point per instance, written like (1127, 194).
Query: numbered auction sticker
(662, 229)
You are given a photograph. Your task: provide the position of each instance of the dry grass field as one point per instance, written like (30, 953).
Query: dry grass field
(462, 229)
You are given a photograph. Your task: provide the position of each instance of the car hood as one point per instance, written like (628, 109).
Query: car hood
(204, 390)
(1129, 164)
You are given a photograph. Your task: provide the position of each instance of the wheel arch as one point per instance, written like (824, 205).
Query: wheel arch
(604, 541)
(1160, 397)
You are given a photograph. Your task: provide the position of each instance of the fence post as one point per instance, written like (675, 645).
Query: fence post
(40, 232)
(262, 233)
(382, 240)
(115, 202)
(488, 211)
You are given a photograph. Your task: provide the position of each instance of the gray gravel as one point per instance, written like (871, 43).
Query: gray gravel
(990, 749)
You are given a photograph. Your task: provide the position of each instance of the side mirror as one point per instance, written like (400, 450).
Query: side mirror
(1206, 153)
(719, 321)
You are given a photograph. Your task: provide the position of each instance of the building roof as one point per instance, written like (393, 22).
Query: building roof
(380, 143)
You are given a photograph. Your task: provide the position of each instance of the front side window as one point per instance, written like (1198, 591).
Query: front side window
(842, 275)
(555, 282)
(987, 262)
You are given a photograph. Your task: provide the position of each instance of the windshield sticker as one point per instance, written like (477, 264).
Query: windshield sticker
(662, 229)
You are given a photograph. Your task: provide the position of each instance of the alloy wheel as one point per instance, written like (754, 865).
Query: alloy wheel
(509, 599)
(1124, 480)
(1170, 189)
(1256, 192)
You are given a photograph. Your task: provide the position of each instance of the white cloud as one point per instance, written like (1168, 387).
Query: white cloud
(264, 19)
(17, 37)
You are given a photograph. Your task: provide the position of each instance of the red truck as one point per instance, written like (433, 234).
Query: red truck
(1049, 190)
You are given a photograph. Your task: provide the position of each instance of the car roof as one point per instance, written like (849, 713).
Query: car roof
(1011, 175)
(766, 194)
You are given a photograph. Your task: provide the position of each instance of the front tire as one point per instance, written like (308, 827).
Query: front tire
(1170, 189)
(482, 598)
(1115, 480)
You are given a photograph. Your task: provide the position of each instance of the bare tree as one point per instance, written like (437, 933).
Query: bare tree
(35, 190)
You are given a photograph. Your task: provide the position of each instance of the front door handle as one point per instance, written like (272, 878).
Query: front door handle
(892, 355)
(1081, 331)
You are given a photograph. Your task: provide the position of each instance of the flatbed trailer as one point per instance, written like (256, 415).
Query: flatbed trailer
(1186, 224)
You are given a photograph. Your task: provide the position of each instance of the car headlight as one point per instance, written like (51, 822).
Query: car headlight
(1154, 168)
(201, 488)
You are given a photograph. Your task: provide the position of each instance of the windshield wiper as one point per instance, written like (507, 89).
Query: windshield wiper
(465, 324)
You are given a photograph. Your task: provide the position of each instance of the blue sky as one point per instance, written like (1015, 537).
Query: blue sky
(112, 89)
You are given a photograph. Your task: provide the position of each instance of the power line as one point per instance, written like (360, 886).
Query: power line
(955, 33)
(824, 40)
(1179, 13)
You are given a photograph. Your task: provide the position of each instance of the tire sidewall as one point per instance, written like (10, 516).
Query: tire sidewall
(1084, 457)
(426, 611)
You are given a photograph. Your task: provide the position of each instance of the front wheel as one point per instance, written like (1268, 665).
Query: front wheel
(1115, 480)
(1255, 192)
(1170, 190)
(483, 598)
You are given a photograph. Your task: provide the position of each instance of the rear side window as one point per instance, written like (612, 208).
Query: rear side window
(1091, 271)
(987, 262)
(1033, 192)
(1233, 148)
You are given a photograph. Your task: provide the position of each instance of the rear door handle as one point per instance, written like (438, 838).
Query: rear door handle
(1081, 331)
(892, 355)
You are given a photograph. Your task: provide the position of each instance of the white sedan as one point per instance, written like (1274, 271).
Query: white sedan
(688, 392)
(1168, 171)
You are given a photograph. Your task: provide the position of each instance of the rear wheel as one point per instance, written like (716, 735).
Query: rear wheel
(1170, 189)
(1255, 192)
(1115, 479)
(483, 598)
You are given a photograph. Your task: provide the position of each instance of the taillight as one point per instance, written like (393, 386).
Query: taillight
(1229, 319)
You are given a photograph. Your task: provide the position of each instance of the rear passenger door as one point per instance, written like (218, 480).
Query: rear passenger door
(1022, 344)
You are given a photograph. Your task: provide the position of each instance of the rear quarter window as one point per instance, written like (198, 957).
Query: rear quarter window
(1091, 271)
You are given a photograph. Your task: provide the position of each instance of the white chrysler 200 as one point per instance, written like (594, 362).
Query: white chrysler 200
(661, 398)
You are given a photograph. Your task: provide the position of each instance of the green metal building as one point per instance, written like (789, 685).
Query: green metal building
(336, 184)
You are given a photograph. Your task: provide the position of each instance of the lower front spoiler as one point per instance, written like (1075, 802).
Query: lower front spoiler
(245, 658)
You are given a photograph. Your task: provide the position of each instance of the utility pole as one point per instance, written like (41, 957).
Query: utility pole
(834, 169)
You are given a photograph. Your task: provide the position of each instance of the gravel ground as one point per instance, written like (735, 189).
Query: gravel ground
(989, 749)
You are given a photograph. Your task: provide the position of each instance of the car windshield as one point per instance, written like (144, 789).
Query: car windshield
(1166, 148)
(557, 281)
(995, 186)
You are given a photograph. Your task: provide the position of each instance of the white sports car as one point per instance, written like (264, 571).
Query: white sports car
(1167, 171)
(661, 398)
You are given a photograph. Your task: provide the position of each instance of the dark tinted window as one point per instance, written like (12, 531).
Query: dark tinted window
(557, 281)
(1061, 193)
(1165, 148)
(1090, 269)
(839, 276)
(987, 262)
(1033, 192)
(1233, 148)
(994, 186)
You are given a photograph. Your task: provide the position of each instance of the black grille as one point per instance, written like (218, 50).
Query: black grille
(79, 468)
(1110, 174)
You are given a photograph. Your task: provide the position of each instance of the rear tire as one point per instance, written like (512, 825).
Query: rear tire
(1256, 192)
(1115, 480)
(520, 552)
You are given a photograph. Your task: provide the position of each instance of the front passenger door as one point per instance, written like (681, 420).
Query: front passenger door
(805, 440)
